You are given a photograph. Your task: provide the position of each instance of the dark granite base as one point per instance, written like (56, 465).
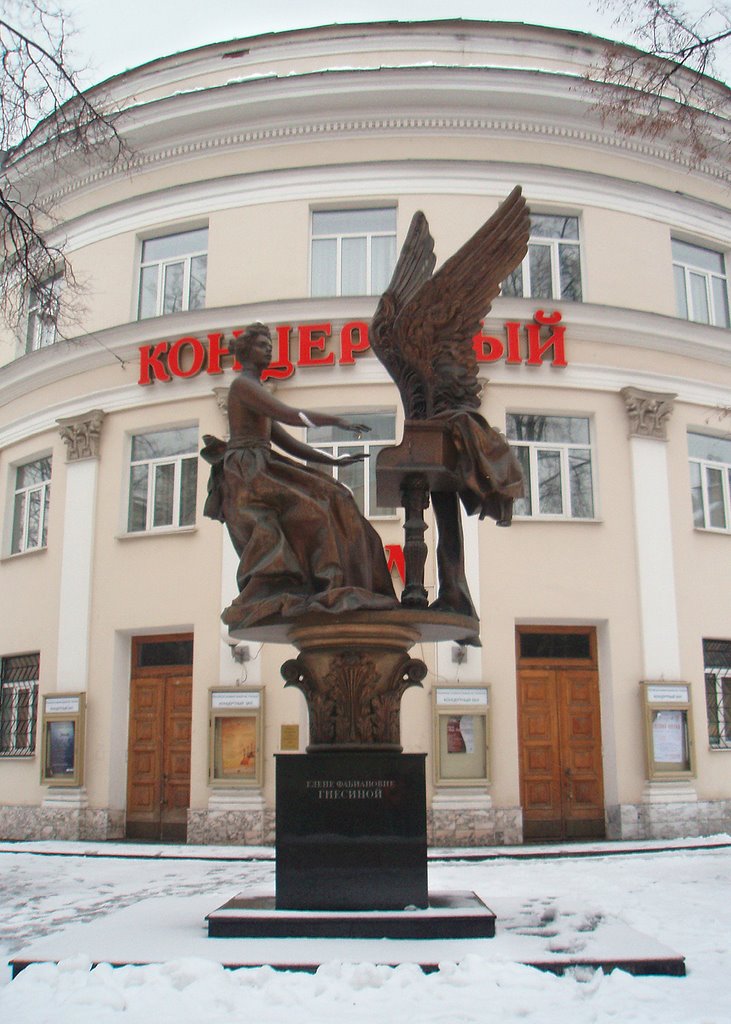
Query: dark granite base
(160, 929)
(455, 915)
(351, 831)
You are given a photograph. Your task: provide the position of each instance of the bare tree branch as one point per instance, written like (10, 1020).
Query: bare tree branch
(45, 117)
(666, 88)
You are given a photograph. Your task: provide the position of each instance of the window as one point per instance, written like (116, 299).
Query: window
(717, 664)
(43, 304)
(18, 705)
(552, 266)
(173, 273)
(163, 479)
(567, 644)
(353, 251)
(710, 481)
(360, 477)
(701, 291)
(153, 653)
(30, 511)
(555, 455)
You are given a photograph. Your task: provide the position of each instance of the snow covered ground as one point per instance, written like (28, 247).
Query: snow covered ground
(681, 897)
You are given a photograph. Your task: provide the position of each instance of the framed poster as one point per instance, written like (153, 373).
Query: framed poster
(235, 723)
(461, 730)
(668, 730)
(62, 739)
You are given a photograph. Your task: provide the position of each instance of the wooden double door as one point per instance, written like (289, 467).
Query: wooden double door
(562, 792)
(158, 765)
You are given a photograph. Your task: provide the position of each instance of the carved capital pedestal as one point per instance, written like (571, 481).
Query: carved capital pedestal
(648, 412)
(221, 395)
(353, 678)
(82, 435)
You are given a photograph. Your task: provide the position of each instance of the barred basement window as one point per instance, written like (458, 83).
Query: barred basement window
(717, 662)
(18, 705)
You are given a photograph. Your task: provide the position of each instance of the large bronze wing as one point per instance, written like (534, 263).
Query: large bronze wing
(423, 327)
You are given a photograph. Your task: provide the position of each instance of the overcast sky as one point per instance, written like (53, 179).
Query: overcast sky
(114, 35)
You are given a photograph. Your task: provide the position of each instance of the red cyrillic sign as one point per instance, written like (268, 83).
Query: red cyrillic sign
(532, 344)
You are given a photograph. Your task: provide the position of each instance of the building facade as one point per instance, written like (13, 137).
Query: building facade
(274, 179)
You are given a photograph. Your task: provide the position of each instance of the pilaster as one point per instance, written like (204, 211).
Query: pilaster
(82, 435)
(648, 414)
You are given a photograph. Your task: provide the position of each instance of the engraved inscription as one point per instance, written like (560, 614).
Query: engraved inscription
(349, 789)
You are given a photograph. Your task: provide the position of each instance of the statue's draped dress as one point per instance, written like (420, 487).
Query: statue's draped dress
(302, 543)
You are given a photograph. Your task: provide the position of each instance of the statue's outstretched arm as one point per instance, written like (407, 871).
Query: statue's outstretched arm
(300, 450)
(253, 396)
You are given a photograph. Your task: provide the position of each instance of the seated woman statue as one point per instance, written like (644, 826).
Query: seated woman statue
(303, 546)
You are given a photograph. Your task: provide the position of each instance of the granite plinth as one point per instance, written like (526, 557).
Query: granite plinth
(167, 928)
(452, 915)
(351, 831)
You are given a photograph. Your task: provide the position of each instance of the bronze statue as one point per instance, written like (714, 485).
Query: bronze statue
(302, 543)
(422, 332)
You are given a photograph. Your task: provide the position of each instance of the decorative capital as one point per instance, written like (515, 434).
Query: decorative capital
(82, 435)
(648, 412)
(221, 399)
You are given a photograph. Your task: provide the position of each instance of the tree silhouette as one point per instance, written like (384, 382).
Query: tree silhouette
(45, 117)
(666, 87)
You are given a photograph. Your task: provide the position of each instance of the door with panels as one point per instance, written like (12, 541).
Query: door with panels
(158, 762)
(559, 725)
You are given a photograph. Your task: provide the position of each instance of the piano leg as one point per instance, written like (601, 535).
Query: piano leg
(415, 499)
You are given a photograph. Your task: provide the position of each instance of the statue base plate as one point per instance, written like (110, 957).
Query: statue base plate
(428, 626)
(351, 831)
(449, 915)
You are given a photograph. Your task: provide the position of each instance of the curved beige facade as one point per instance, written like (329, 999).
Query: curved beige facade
(619, 567)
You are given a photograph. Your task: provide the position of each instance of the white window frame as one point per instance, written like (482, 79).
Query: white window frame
(44, 490)
(42, 325)
(153, 464)
(339, 236)
(369, 444)
(717, 318)
(162, 264)
(16, 748)
(705, 468)
(554, 245)
(563, 449)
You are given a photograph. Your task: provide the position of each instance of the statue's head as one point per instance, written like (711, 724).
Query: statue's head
(241, 346)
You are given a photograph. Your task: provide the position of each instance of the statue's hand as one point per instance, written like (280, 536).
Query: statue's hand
(356, 428)
(348, 460)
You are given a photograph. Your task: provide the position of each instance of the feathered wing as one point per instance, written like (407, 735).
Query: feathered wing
(413, 268)
(426, 329)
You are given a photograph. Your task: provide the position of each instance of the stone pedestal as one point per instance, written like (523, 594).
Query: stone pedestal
(351, 831)
(351, 812)
(353, 677)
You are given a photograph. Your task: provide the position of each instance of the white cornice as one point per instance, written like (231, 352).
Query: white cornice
(381, 102)
(460, 36)
(389, 179)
